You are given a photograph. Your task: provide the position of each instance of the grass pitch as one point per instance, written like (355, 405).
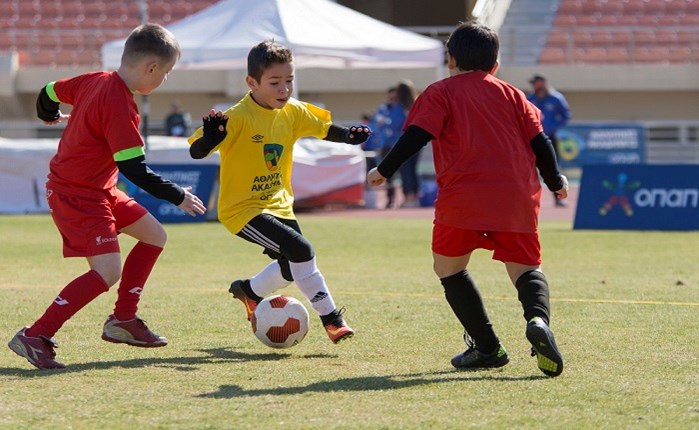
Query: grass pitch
(625, 314)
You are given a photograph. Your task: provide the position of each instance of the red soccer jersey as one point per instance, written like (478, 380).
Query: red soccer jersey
(485, 166)
(104, 120)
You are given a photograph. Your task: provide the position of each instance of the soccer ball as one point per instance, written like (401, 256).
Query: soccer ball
(280, 321)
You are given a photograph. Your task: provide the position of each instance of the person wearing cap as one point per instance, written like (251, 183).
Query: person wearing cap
(554, 109)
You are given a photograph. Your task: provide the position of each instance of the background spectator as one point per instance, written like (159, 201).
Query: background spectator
(554, 109)
(178, 121)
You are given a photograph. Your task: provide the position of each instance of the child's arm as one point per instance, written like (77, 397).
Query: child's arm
(137, 171)
(214, 130)
(548, 166)
(355, 135)
(47, 109)
(409, 144)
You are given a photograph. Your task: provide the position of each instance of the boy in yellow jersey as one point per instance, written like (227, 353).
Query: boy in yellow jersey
(255, 140)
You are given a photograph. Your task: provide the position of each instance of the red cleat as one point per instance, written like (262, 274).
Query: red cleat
(37, 350)
(133, 332)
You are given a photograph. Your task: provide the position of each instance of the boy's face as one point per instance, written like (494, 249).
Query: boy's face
(154, 73)
(275, 86)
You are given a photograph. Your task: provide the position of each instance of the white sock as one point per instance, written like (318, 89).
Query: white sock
(269, 280)
(312, 284)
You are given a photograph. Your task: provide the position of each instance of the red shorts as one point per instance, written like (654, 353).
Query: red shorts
(522, 248)
(89, 224)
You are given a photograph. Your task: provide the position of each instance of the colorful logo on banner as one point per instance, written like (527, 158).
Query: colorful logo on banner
(643, 197)
(620, 189)
(272, 153)
(582, 144)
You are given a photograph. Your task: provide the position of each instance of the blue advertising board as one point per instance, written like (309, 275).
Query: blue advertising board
(582, 144)
(638, 197)
(201, 177)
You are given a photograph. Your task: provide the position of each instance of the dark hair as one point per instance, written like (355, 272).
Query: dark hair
(264, 54)
(474, 46)
(405, 92)
(150, 40)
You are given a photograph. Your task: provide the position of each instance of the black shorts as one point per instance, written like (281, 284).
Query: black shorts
(281, 238)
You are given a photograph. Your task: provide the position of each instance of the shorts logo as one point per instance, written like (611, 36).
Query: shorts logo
(272, 153)
(619, 190)
(102, 240)
(60, 301)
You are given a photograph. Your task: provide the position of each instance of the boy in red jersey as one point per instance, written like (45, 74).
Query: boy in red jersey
(488, 143)
(100, 141)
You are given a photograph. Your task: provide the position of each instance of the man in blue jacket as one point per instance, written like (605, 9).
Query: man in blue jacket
(554, 109)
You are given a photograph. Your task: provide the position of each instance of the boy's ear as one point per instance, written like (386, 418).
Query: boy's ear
(451, 62)
(252, 83)
(495, 68)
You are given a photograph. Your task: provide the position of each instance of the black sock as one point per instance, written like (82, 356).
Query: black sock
(247, 289)
(467, 304)
(533, 293)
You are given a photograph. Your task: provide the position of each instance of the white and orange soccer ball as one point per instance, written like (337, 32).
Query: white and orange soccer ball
(280, 321)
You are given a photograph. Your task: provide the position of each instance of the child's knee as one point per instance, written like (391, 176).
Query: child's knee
(297, 250)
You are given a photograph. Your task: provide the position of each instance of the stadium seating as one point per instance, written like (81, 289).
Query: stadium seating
(71, 32)
(642, 31)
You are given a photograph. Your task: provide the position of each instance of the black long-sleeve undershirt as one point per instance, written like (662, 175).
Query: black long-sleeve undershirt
(410, 143)
(546, 161)
(46, 109)
(415, 138)
(200, 148)
(137, 171)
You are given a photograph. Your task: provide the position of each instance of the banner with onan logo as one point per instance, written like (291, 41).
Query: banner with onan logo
(639, 197)
(201, 177)
(582, 144)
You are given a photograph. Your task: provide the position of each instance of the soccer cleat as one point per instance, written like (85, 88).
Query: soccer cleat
(473, 359)
(548, 357)
(133, 332)
(37, 350)
(237, 290)
(337, 328)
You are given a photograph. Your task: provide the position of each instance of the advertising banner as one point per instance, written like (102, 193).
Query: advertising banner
(639, 197)
(201, 177)
(581, 144)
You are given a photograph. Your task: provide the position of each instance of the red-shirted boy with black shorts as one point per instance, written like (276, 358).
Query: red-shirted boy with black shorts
(100, 141)
(488, 143)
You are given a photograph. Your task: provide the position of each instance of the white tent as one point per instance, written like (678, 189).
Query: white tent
(320, 33)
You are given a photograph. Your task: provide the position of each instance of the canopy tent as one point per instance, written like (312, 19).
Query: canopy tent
(320, 33)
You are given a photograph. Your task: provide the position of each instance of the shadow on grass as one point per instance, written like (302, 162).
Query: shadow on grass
(184, 364)
(369, 383)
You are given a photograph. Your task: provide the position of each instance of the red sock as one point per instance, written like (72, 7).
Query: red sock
(81, 291)
(136, 270)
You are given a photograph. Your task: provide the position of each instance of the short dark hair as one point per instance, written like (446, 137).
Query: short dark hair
(150, 40)
(264, 54)
(474, 46)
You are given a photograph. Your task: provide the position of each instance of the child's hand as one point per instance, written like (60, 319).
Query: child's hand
(374, 178)
(563, 192)
(358, 134)
(60, 119)
(191, 203)
(215, 127)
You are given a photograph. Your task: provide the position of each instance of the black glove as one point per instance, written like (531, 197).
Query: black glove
(357, 134)
(213, 132)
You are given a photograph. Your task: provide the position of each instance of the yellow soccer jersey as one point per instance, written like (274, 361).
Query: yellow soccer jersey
(257, 158)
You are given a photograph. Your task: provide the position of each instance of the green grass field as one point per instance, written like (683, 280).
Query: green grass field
(625, 313)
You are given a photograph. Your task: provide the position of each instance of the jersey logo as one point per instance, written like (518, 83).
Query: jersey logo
(272, 153)
(257, 138)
